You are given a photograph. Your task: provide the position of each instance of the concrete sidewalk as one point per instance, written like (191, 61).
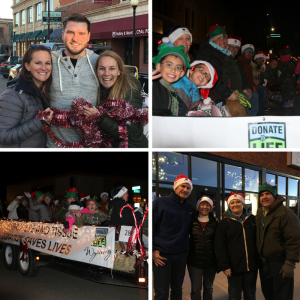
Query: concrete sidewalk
(221, 286)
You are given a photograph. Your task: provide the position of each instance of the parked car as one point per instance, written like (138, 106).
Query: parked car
(14, 72)
(3, 57)
(7, 65)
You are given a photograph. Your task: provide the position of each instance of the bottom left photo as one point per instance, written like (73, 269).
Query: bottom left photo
(74, 225)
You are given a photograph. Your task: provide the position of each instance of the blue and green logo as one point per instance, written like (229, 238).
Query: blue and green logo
(267, 135)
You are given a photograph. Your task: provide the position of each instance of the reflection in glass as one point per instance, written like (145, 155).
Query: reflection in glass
(293, 205)
(251, 180)
(293, 187)
(153, 166)
(204, 172)
(233, 177)
(270, 178)
(165, 189)
(170, 165)
(281, 185)
(251, 203)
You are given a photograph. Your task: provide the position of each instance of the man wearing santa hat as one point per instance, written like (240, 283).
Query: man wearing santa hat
(171, 221)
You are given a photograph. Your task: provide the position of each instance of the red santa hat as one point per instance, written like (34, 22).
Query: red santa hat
(182, 179)
(214, 77)
(261, 54)
(84, 196)
(235, 196)
(236, 41)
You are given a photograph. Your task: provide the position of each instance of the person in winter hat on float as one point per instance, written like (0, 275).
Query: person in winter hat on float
(235, 248)
(278, 244)
(171, 221)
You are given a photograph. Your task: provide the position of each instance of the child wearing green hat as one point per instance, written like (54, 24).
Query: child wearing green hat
(172, 64)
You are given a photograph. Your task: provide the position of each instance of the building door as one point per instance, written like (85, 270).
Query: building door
(213, 193)
(128, 52)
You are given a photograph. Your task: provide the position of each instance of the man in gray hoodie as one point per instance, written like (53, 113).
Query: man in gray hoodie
(73, 73)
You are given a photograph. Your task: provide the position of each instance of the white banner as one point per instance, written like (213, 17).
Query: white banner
(88, 244)
(231, 132)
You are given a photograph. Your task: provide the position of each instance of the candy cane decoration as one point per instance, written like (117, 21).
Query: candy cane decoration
(131, 241)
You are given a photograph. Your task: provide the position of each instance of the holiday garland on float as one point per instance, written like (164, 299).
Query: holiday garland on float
(118, 109)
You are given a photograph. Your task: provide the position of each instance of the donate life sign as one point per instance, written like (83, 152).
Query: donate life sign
(88, 244)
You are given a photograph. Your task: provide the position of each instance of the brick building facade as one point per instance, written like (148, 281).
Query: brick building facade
(5, 35)
(217, 174)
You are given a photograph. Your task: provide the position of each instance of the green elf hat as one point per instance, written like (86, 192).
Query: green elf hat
(93, 200)
(48, 195)
(23, 198)
(215, 32)
(286, 50)
(72, 193)
(267, 187)
(37, 194)
(176, 51)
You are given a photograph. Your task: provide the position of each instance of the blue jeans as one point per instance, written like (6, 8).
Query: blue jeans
(273, 286)
(262, 92)
(253, 111)
(242, 282)
(198, 275)
(169, 275)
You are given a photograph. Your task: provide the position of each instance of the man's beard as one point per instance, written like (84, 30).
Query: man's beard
(74, 53)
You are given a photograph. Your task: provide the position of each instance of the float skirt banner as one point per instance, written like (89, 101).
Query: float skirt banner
(88, 244)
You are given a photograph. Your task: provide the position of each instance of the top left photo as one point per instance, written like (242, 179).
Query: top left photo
(74, 74)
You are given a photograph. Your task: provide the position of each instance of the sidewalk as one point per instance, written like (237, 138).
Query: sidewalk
(220, 287)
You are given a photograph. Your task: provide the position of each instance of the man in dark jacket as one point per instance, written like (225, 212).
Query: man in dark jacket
(278, 244)
(171, 221)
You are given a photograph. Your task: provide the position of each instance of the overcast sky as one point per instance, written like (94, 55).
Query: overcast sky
(6, 11)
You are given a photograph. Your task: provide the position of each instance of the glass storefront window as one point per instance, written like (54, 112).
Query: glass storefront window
(251, 180)
(153, 166)
(293, 187)
(293, 205)
(233, 177)
(271, 179)
(281, 190)
(170, 165)
(204, 172)
(165, 189)
(251, 203)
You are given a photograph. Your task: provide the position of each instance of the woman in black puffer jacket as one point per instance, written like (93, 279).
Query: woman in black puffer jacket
(201, 259)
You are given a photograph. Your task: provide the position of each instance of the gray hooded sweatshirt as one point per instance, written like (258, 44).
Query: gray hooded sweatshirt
(70, 83)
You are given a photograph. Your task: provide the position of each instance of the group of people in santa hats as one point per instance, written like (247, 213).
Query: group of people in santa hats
(240, 245)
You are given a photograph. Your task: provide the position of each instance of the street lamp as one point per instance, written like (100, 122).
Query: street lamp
(272, 29)
(14, 31)
(134, 4)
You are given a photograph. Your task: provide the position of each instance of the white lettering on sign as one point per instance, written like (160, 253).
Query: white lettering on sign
(129, 33)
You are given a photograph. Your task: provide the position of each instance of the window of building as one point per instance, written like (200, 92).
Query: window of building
(170, 165)
(39, 9)
(193, 20)
(17, 1)
(187, 17)
(204, 172)
(233, 177)
(51, 5)
(1, 32)
(153, 166)
(23, 21)
(17, 19)
(293, 187)
(293, 205)
(281, 185)
(30, 14)
(251, 180)
(271, 179)
(251, 202)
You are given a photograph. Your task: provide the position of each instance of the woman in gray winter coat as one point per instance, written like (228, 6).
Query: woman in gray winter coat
(19, 128)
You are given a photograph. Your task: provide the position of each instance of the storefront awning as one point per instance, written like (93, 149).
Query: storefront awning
(56, 35)
(43, 36)
(12, 38)
(120, 28)
(18, 39)
(34, 35)
(25, 37)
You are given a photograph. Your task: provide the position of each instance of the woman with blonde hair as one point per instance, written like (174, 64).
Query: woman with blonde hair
(115, 82)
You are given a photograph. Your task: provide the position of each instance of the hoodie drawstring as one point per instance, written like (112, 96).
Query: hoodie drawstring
(60, 84)
(92, 69)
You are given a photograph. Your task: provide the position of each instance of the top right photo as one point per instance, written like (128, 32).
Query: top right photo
(225, 75)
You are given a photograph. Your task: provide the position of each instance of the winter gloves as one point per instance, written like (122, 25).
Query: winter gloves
(242, 99)
(287, 269)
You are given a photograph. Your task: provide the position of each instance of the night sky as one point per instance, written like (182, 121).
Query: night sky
(24, 166)
(251, 19)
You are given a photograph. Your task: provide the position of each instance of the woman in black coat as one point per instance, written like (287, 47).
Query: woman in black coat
(235, 249)
(201, 261)
(22, 210)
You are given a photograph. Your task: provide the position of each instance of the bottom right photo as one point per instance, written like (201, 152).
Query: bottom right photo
(226, 225)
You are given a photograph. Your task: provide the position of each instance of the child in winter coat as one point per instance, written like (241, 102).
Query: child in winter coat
(172, 64)
(90, 215)
(199, 80)
(74, 210)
